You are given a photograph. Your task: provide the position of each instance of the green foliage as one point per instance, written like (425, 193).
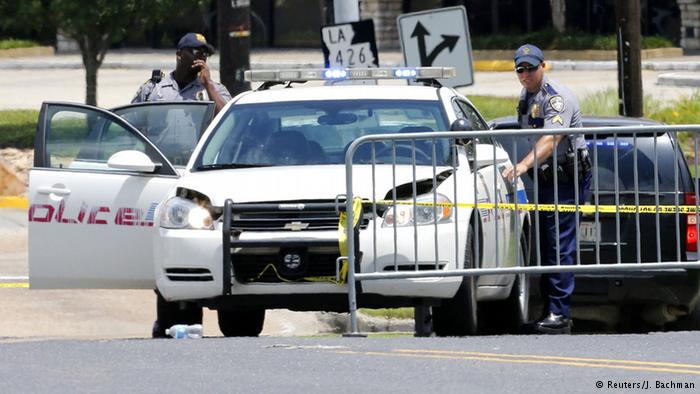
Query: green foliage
(685, 111)
(495, 107)
(549, 39)
(22, 12)
(11, 44)
(17, 128)
(390, 313)
(105, 21)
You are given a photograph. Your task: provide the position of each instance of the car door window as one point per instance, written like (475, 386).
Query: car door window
(78, 137)
(174, 128)
(81, 140)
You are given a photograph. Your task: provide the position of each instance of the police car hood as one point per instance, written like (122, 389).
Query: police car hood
(293, 183)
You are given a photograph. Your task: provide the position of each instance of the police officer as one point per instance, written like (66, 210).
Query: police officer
(191, 79)
(546, 104)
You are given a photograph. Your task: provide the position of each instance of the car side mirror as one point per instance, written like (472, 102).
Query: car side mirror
(484, 155)
(461, 125)
(131, 160)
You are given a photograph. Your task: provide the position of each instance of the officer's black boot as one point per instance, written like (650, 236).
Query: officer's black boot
(554, 324)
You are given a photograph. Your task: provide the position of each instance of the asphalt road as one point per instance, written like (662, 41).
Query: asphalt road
(100, 314)
(502, 364)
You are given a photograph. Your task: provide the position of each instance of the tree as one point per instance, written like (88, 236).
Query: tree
(93, 25)
(558, 14)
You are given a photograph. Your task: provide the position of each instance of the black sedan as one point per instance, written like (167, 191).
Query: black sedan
(633, 300)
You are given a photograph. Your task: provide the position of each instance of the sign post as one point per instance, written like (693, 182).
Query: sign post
(438, 38)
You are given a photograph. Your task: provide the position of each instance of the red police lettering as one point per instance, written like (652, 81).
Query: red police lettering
(92, 219)
(44, 215)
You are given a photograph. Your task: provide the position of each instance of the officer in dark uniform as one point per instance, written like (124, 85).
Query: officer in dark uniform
(191, 79)
(546, 104)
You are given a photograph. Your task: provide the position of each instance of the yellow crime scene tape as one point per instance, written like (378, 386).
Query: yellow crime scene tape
(553, 207)
(342, 246)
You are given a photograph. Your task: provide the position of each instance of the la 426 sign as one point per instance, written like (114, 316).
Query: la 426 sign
(349, 45)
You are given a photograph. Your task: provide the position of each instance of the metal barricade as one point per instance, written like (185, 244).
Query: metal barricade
(672, 201)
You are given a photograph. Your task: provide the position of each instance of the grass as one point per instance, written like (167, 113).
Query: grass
(549, 39)
(12, 43)
(17, 128)
(389, 313)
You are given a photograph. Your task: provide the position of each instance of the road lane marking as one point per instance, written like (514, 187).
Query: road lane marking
(500, 358)
(13, 285)
(612, 361)
(14, 202)
(14, 281)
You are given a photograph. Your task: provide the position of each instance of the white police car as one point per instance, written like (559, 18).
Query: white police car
(246, 219)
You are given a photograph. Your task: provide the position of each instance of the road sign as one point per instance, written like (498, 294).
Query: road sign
(438, 38)
(350, 45)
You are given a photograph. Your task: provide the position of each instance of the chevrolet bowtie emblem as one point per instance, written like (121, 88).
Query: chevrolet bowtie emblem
(296, 226)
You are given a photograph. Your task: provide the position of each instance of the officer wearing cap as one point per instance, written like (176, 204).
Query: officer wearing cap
(544, 103)
(191, 79)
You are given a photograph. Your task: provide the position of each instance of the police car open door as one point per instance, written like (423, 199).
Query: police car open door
(93, 192)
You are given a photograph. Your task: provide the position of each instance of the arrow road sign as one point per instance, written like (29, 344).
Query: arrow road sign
(427, 59)
(438, 38)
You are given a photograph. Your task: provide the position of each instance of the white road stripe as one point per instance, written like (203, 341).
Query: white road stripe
(21, 278)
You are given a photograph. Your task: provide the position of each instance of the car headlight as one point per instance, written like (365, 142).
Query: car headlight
(403, 214)
(180, 213)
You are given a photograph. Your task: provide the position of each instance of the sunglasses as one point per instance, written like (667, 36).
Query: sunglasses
(522, 69)
(199, 53)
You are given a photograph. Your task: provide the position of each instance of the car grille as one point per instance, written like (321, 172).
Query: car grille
(266, 268)
(322, 217)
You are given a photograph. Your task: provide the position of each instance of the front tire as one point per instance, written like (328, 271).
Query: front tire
(458, 315)
(169, 313)
(241, 323)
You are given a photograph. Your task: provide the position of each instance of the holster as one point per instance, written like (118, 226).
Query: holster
(565, 167)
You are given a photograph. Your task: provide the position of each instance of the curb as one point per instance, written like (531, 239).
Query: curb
(679, 79)
(15, 202)
(339, 323)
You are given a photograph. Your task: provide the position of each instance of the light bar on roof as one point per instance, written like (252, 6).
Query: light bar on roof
(335, 74)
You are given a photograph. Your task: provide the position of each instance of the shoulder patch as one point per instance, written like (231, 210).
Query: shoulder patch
(550, 90)
(557, 103)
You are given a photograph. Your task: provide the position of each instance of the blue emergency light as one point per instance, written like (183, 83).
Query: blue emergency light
(326, 74)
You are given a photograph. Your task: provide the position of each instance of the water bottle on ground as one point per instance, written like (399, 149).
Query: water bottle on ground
(194, 331)
(180, 331)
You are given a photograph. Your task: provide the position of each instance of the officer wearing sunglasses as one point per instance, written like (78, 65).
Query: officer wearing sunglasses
(544, 103)
(191, 79)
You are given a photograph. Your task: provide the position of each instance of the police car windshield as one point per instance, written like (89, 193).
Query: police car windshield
(320, 132)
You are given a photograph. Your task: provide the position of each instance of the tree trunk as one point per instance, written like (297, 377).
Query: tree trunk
(93, 52)
(558, 14)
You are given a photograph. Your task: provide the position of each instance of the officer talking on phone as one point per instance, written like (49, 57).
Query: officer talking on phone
(191, 79)
(545, 104)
